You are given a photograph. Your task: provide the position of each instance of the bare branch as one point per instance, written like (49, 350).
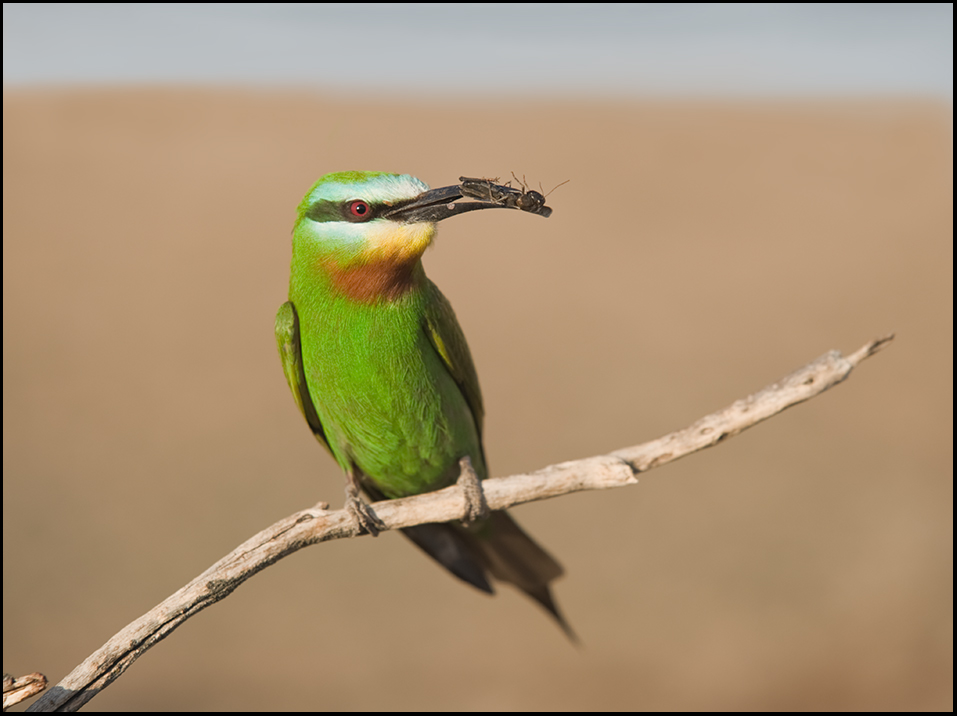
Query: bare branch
(803, 384)
(318, 524)
(22, 688)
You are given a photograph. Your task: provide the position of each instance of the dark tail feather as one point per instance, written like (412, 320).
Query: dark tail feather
(510, 555)
(450, 547)
(444, 543)
(499, 547)
(496, 546)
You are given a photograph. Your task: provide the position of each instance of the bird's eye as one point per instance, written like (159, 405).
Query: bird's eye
(359, 209)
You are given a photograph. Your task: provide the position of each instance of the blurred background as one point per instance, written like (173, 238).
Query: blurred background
(750, 186)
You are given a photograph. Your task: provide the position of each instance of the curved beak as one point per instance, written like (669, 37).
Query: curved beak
(438, 204)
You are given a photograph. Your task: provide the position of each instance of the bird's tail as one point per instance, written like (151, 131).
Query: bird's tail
(496, 546)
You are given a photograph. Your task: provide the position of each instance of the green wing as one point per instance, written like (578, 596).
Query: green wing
(290, 351)
(446, 336)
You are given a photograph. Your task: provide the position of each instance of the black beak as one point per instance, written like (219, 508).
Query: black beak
(438, 204)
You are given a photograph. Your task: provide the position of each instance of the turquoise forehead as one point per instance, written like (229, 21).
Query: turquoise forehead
(371, 186)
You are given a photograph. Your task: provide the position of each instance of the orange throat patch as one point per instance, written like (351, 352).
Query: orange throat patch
(383, 280)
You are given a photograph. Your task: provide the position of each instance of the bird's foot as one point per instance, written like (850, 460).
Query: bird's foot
(476, 508)
(362, 513)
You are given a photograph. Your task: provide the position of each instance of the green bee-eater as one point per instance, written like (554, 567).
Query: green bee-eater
(379, 366)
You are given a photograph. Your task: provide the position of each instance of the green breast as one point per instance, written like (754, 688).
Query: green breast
(383, 394)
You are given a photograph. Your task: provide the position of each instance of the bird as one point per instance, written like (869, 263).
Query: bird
(379, 367)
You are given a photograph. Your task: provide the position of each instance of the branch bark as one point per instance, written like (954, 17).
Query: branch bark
(319, 524)
(22, 688)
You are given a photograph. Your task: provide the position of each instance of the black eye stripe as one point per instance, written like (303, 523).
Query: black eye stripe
(325, 210)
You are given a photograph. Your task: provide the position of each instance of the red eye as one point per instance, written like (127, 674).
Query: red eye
(359, 209)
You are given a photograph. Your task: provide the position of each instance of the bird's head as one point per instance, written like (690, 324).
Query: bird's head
(345, 218)
(362, 227)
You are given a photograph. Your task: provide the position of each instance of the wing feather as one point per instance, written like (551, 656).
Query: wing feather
(447, 338)
(290, 351)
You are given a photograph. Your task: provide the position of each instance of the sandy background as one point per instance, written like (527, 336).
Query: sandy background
(699, 252)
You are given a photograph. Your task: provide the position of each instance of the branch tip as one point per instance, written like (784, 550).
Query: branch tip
(869, 349)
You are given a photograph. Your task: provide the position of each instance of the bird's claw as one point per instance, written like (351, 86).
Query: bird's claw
(476, 508)
(363, 514)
